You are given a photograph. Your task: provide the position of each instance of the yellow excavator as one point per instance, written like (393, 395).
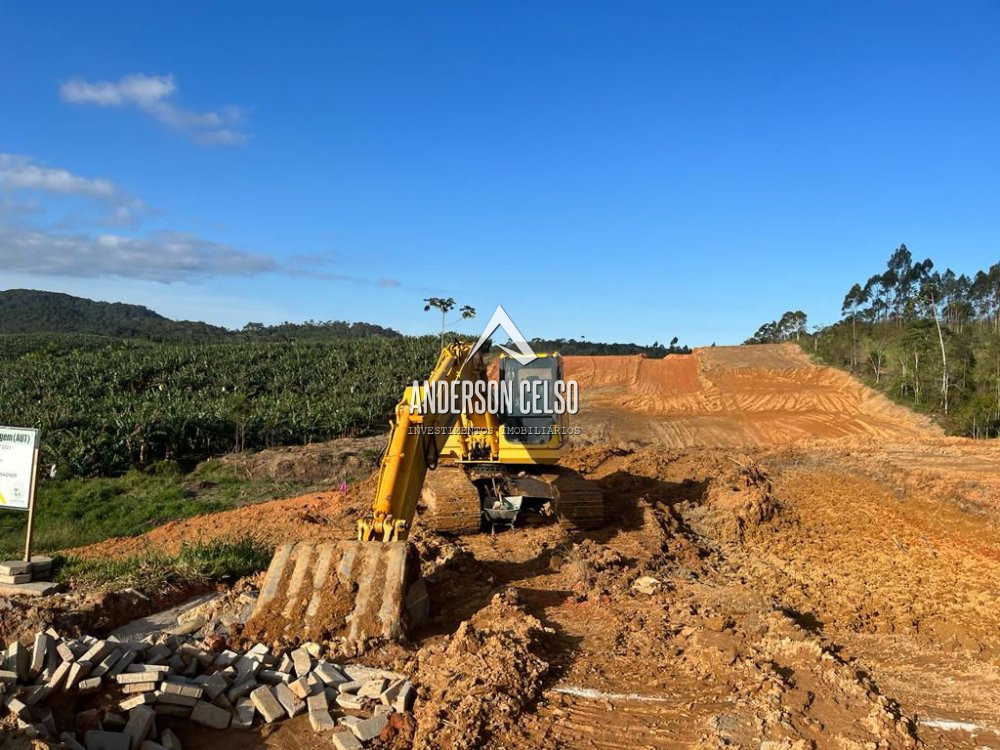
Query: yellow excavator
(466, 472)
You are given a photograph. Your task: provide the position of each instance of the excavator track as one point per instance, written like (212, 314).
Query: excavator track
(452, 502)
(579, 502)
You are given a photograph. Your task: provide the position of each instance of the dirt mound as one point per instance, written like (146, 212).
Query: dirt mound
(730, 396)
(335, 461)
(475, 685)
(740, 501)
(323, 516)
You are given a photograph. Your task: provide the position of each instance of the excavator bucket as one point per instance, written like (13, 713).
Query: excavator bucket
(356, 591)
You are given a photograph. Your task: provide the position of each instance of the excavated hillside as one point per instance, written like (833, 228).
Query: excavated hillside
(788, 561)
(731, 396)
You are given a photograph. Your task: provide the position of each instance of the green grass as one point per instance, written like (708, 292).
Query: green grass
(218, 560)
(75, 512)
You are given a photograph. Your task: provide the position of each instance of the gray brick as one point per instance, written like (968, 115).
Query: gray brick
(98, 740)
(302, 662)
(134, 688)
(18, 660)
(242, 689)
(36, 694)
(59, 675)
(246, 666)
(300, 687)
(269, 706)
(319, 713)
(89, 685)
(40, 652)
(77, 671)
(273, 676)
(292, 704)
(373, 688)
(245, 713)
(353, 702)
(344, 739)
(212, 685)
(97, 652)
(141, 720)
(369, 729)
(226, 658)
(106, 663)
(391, 691)
(174, 699)
(329, 673)
(17, 707)
(169, 740)
(120, 666)
(176, 688)
(210, 716)
(174, 712)
(137, 700)
(404, 700)
(127, 678)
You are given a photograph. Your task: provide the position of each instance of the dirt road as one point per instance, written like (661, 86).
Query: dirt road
(788, 558)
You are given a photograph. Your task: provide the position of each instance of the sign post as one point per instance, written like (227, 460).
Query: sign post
(19, 449)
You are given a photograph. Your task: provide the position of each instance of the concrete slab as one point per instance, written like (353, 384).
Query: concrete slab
(32, 588)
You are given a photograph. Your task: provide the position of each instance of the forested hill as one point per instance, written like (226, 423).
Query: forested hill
(926, 338)
(61, 317)
(27, 311)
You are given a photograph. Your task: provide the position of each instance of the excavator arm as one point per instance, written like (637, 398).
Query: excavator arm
(415, 442)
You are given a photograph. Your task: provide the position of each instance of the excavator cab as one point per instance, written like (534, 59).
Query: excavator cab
(531, 429)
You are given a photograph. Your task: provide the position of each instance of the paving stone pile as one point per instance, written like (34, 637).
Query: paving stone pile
(173, 676)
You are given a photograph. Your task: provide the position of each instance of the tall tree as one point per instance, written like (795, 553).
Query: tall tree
(445, 305)
(851, 301)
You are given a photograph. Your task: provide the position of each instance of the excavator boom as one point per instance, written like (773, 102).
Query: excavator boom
(415, 442)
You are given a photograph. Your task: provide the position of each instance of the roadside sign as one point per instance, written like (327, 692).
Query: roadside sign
(19, 447)
(17, 466)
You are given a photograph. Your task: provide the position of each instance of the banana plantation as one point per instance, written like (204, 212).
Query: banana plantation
(104, 410)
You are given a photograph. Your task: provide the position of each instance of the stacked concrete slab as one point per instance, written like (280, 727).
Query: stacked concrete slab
(170, 675)
(20, 577)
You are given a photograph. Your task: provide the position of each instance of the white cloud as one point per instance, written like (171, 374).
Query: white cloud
(21, 174)
(163, 256)
(153, 95)
(55, 223)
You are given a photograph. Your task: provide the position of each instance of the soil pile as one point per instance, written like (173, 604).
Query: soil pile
(475, 684)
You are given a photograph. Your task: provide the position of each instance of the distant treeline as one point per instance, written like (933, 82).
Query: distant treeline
(925, 338)
(789, 327)
(595, 348)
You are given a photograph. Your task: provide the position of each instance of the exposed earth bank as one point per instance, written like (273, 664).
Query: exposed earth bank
(788, 561)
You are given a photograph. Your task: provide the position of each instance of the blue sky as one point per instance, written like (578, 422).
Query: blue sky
(620, 171)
